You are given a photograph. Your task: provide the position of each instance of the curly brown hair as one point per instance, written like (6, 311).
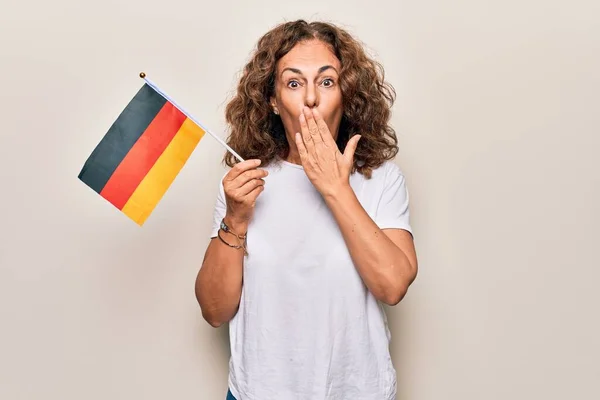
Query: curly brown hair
(256, 132)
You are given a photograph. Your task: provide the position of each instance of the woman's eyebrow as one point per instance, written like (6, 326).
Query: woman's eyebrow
(297, 71)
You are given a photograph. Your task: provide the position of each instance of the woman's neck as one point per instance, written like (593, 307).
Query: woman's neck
(293, 155)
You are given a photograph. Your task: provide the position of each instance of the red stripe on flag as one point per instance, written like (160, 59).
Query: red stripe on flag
(143, 155)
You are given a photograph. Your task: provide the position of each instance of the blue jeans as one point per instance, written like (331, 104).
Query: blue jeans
(230, 396)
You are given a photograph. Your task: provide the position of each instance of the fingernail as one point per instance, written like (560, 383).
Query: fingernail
(257, 162)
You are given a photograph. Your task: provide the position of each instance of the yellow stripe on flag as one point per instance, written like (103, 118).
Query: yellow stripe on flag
(154, 185)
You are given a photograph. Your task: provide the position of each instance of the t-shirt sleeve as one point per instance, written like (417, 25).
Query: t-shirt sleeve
(393, 208)
(219, 210)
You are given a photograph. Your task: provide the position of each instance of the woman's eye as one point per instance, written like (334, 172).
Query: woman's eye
(293, 84)
(327, 82)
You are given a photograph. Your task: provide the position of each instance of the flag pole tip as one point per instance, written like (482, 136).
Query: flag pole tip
(142, 75)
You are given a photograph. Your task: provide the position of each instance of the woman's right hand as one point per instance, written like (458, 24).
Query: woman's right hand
(242, 185)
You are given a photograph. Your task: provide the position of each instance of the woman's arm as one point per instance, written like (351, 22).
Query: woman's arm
(219, 281)
(385, 259)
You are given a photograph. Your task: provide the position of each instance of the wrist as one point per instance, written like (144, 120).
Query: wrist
(336, 193)
(236, 225)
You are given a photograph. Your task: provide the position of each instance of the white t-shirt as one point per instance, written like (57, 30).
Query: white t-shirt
(307, 328)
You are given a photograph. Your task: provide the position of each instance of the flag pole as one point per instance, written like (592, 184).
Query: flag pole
(153, 86)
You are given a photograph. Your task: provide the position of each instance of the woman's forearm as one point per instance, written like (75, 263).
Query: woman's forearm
(219, 281)
(383, 266)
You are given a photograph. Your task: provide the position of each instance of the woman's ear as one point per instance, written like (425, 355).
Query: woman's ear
(274, 106)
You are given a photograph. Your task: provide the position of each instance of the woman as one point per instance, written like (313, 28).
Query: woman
(311, 233)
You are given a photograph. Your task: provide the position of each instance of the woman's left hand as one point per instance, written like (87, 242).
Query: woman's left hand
(326, 167)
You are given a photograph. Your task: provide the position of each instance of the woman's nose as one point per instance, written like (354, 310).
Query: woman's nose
(311, 98)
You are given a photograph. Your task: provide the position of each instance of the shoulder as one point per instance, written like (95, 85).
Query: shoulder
(387, 173)
(391, 168)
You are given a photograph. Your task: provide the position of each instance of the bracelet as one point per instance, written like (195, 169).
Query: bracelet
(241, 239)
(228, 244)
(226, 228)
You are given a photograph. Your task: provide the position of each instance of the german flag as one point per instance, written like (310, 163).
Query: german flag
(141, 154)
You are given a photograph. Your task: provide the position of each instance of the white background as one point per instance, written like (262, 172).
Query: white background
(498, 117)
